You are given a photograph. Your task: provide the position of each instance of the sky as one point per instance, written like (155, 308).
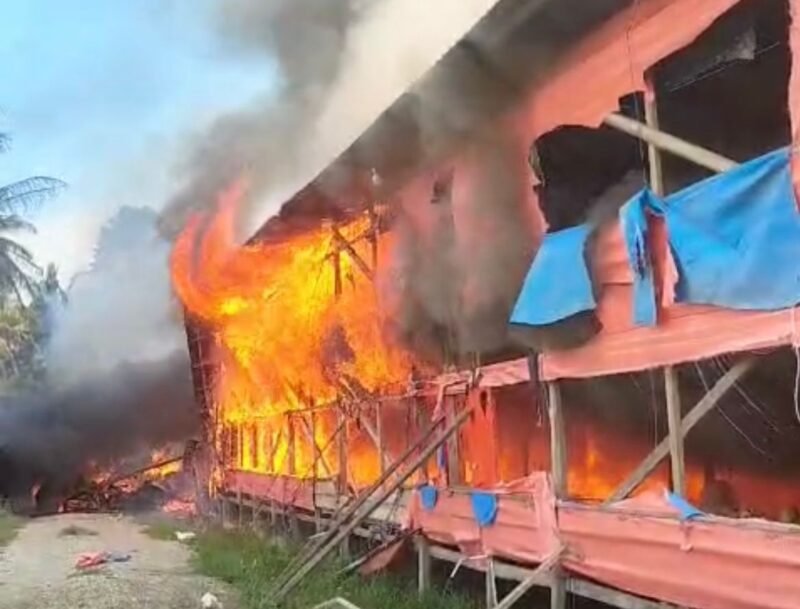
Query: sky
(107, 95)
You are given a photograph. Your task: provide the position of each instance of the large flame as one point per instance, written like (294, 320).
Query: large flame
(291, 336)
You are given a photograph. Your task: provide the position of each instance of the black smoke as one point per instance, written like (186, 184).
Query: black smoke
(50, 437)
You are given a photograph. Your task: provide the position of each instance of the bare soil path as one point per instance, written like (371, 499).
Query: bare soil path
(37, 570)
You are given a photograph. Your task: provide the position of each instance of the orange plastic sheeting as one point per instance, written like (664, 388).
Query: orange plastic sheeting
(524, 531)
(611, 62)
(713, 563)
(684, 332)
(478, 441)
(494, 375)
(286, 490)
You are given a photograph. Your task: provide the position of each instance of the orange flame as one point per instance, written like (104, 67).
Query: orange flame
(288, 338)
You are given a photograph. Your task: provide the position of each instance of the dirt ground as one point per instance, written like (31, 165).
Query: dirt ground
(37, 570)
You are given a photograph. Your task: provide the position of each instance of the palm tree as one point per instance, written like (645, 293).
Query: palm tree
(19, 273)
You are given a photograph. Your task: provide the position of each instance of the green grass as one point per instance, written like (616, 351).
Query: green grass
(9, 525)
(250, 565)
(163, 530)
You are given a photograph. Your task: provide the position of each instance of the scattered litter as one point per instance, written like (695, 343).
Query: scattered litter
(209, 601)
(184, 536)
(89, 560)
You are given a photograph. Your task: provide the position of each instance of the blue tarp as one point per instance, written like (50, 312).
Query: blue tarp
(429, 496)
(558, 283)
(735, 239)
(686, 511)
(484, 508)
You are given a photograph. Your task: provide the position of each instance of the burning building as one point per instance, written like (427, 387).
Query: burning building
(571, 242)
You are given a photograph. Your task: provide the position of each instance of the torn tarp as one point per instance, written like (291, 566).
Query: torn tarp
(735, 239)
(557, 285)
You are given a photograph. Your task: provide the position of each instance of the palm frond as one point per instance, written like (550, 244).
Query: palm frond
(28, 193)
(15, 223)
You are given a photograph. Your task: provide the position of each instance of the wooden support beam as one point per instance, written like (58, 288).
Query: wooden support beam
(375, 436)
(345, 245)
(369, 508)
(453, 446)
(673, 394)
(308, 431)
(653, 153)
(670, 143)
(341, 442)
(382, 458)
(291, 465)
(703, 407)
(491, 585)
(558, 440)
(532, 580)
(423, 564)
(350, 509)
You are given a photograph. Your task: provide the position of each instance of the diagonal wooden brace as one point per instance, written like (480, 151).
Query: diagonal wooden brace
(702, 408)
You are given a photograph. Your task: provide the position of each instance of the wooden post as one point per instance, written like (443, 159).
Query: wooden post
(341, 442)
(453, 457)
(291, 463)
(239, 508)
(558, 458)
(381, 439)
(558, 448)
(670, 143)
(423, 564)
(491, 585)
(370, 503)
(703, 407)
(654, 155)
(672, 388)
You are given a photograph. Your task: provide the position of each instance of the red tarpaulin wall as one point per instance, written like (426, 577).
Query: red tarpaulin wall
(640, 546)
(525, 528)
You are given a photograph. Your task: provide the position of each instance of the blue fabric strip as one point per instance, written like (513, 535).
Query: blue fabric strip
(484, 508)
(429, 496)
(685, 509)
(558, 284)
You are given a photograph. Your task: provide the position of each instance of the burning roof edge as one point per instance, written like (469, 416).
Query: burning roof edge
(473, 73)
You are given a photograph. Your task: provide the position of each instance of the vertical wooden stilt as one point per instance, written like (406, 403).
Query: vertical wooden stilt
(558, 449)
(558, 592)
(344, 550)
(423, 565)
(239, 509)
(677, 461)
(453, 457)
(491, 586)
(381, 440)
(558, 458)
(224, 516)
(291, 463)
(341, 442)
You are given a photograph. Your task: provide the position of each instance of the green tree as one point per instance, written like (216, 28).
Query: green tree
(19, 273)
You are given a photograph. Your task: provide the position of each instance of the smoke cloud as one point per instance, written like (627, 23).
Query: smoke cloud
(50, 436)
(120, 309)
(267, 140)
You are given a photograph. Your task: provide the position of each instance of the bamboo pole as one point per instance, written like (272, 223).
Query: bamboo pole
(677, 461)
(319, 457)
(669, 143)
(357, 259)
(703, 407)
(347, 529)
(349, 511)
